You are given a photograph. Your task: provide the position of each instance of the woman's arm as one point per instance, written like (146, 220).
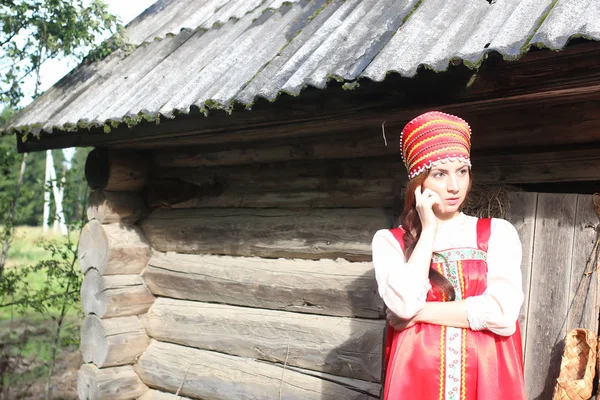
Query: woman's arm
(449, 313)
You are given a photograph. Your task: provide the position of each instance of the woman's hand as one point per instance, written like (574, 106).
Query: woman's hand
(425, 201)
(398, 323)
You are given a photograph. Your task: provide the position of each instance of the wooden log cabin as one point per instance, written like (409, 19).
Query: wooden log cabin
(245, 157)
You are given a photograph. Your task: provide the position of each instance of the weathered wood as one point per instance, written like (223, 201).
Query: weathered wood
(549, 293)
(260, 192)
(214, 376)
(584, 296)
(113, 341)
(158, 395)
(325, 287)
(113, 249)
(108, 207)
(340, 346)
(521, 214)
(119, 383)
(312, 234)
(114, 295)
(119, 171)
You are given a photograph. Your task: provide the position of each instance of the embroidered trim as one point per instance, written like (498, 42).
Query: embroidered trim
(453, 363)
(442, 362)
(458, 254)
(463, 392)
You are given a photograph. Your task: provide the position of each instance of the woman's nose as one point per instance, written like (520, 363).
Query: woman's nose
(452, 185)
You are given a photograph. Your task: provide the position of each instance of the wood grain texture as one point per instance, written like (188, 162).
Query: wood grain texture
(326, 287)
(115, 170)
(214, 376)
(311, 234)
(340, 346)
(113, 341)
(522, 212)
(583, 294)
(119, 383)
(112, 249)
(115, 207)
(549, 294)
(114, 295)
(158, 395)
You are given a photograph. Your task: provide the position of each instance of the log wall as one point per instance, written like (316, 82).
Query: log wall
(223, 274)
(113, 252)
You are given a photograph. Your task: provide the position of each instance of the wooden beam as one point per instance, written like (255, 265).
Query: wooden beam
(113, 170)
(112, 249)
(348, 347)
(120, 383)
(115, 207)
(326, 287)
(114, 295)
(214, 376)
(158, 395)
(272, 233)
(113, 341)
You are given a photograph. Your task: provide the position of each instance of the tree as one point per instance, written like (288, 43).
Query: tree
(35, 31)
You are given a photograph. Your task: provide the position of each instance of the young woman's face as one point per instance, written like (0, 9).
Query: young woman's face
(451, 182)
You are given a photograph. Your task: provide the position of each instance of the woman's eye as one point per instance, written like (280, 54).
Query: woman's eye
(438, 175)
(462, 172)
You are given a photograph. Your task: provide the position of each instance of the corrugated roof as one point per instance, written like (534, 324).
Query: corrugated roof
(213, 53)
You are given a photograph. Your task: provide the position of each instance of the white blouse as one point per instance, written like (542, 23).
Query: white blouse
(497, 309)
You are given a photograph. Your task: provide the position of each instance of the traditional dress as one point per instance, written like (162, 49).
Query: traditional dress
(481, 259)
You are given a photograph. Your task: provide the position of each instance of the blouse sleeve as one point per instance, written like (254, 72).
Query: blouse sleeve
(497, 309)
(402, 291)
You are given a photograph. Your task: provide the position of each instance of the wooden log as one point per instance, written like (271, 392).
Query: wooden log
(158, 395)
(113, 249)
(348, 347)
(114, 295)
(110, 207)
(312, 234)
(113, 341)
(210, 376)
(325, 287)
(119, 383)
(306, 192)
(119, 171)
(549, 292)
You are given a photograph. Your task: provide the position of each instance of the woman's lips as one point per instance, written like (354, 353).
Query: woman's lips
(453, 201)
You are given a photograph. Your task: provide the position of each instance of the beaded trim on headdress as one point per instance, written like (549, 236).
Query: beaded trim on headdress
(433, 138)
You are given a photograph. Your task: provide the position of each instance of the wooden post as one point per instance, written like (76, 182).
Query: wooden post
(113, 341)
(120, 383)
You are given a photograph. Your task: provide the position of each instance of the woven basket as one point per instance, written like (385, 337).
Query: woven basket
(578, 366)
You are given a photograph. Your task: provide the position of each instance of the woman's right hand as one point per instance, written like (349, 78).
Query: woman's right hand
(426, 199)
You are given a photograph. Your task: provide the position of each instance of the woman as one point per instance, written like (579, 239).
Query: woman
(451, 282)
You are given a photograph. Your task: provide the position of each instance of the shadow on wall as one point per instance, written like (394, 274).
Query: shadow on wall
(359, 358)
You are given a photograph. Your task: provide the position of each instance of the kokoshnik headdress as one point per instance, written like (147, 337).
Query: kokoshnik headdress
(433, 138)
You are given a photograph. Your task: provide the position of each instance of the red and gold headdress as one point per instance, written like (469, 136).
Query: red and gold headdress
(433, 138)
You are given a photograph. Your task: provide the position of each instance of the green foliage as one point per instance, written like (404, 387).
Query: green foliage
(34, 31)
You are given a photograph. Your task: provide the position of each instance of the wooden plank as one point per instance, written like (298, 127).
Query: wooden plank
(119, 383)
(549, 294)
(522, 215)
(273, 233)
(325, 287)
(215, 376)
(348, 347)
(108, 207)
(583, 300)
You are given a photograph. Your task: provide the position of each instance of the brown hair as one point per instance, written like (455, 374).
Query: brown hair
(412, 231)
